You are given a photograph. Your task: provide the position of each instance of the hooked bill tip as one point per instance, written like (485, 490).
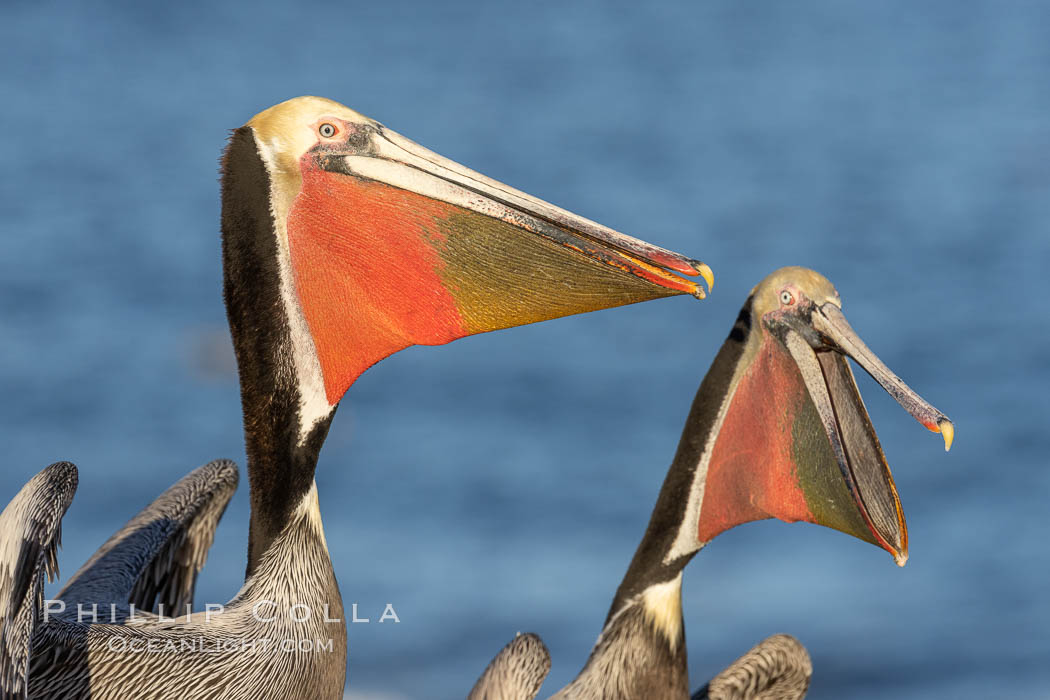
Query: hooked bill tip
(947, 430)
(706, 273)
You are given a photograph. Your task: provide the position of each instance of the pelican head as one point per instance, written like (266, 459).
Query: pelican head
(791, 438)
(384, 244)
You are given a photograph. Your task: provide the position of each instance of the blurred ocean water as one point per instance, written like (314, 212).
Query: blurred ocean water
(502, 482)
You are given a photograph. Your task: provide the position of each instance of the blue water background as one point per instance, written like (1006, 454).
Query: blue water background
(501, 483)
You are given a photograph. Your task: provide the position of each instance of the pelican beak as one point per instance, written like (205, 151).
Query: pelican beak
(386, 236)
(378, 154)
(830, 322)
(833, 391)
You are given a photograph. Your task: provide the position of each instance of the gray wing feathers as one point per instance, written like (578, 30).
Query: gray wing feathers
(155, 558)
(777, 668)
(516, 673)
(30, 533)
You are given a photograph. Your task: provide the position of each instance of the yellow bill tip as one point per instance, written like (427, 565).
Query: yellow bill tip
(707, 274)
(947, 430)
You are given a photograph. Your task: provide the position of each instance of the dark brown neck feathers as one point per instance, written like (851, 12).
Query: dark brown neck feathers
(280, 468)
(648, 566)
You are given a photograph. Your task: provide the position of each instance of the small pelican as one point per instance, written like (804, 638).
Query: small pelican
(777, 430)
(343, 242)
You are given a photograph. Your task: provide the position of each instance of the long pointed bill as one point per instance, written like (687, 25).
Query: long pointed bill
(830, 321)
(514, 206)
(393, 245)
(403, 163)
(834, 393)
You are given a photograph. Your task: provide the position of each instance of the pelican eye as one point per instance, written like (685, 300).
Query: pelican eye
(327, 130)
(786, 298)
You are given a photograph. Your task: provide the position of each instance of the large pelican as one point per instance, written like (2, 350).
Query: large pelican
(343, 242)
(777, 430)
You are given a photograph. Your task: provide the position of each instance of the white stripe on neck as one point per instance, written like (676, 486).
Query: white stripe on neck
(313, 401)
(687, 540)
